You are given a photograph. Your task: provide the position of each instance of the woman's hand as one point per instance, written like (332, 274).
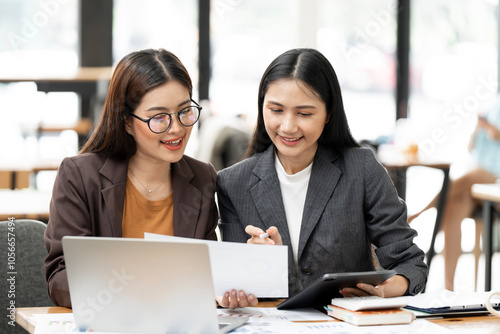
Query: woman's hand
(392, 287)
(236, 299)
(274, 237)
(491, 130)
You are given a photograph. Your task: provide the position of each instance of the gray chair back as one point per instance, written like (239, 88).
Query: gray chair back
(22, 280)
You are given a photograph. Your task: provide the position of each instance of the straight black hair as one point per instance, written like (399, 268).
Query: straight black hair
(317, 73)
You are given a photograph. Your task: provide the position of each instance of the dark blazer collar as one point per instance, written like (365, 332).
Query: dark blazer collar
(324, 178)
(187, 199)
(266, 193)
(115, 170)
(265, 163)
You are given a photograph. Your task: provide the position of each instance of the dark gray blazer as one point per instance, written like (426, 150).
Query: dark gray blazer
(88, 199)
(351, 203)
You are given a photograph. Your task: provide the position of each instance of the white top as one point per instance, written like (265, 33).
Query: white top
(293, 190)
(486, 151)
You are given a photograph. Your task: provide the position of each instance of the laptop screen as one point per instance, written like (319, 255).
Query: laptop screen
(135, 285)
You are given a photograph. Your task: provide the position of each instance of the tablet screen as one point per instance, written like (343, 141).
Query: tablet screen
(321, 292)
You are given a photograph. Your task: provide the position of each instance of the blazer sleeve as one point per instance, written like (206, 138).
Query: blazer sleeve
(213, 213)
(230, 226)
(69, 215)
(387, 227)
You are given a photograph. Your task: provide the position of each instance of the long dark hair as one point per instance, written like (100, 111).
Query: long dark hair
(314, 70)
(134, 76)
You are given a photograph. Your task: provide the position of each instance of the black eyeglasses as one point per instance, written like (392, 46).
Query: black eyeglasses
(160, 123)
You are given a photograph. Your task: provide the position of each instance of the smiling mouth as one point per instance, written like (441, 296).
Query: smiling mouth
(171, 142)
(291, 139)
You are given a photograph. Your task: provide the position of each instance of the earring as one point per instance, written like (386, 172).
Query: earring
(128, 131)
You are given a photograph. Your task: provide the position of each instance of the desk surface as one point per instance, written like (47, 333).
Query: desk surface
(489, 192)
(81, 74)
(24, 315)
(489, 323)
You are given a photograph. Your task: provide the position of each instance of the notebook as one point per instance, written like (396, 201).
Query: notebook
(450, 303)
(142, 286)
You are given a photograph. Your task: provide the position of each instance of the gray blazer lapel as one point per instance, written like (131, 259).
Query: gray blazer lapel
(114, 195)
(187, 200)
(266, 194)
(324, 178)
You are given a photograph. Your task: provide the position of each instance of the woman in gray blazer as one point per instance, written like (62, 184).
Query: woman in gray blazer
(308, 184)
(132, 175)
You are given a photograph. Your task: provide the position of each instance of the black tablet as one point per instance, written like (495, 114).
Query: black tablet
(321, 292)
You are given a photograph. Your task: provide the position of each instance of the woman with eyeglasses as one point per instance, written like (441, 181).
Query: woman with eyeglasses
(132, 175)
(307, 184)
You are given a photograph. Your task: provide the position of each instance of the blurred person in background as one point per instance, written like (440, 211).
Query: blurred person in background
(485, 153)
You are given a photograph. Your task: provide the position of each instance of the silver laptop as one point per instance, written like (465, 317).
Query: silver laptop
(142, 286)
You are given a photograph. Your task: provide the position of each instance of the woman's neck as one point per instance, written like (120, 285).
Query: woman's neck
(147, 171)
(293, 165)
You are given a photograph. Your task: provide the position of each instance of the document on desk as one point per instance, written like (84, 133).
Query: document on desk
(417, 326)
(261, 270)
(269, 320)
(263, 320)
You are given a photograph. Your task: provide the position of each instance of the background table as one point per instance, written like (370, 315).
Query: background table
(489, 194)
(85, 81)
(21, 173)
(397, 165)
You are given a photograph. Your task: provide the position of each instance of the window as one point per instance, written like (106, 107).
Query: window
(167, 24)
(361, 46)
(246, 37)
(38, 36)
(453, 72)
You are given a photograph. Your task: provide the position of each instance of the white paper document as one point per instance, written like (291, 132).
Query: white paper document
(261, 270)
(264, 320)
(269, 320)
(417, 326)
(54, 323)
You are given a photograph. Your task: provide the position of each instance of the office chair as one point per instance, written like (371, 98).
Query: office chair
(22, 279)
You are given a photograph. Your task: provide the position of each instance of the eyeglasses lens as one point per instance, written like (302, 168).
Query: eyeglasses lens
(189, 116)
(159, 123)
